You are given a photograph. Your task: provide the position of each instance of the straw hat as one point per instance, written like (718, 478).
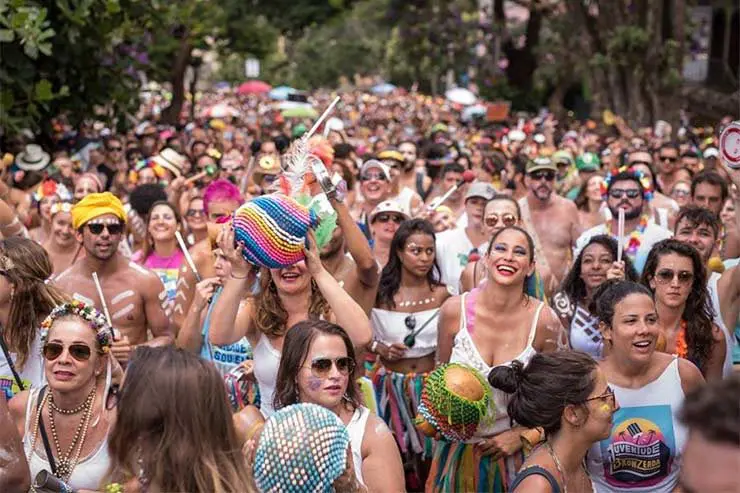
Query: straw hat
(33, 158)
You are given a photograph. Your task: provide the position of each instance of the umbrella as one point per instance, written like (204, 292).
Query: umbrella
(220, 110)
(461, 95)
(281, 92)
(254, 87)
(383, 88)
(472, 112)
(300, 112)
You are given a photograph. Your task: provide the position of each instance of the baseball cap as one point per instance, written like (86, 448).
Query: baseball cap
(540, 163)
(480, 189)
(391, 206)
(375, 164)
(588, 161)
(563, 157)
(711, 152)
(391, 154)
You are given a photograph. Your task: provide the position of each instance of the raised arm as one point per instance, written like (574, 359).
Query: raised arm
(357, 246)
(231, 319)
(189, 336)
(347, 313)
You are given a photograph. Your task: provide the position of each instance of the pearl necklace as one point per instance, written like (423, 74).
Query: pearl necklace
(60, 410)
(67, 462)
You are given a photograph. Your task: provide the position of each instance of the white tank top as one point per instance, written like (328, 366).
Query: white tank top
(266, 363)
(88, 473)
(643, 453)
(464, 351)
(729, 336)
(390, 327)
(356, 430)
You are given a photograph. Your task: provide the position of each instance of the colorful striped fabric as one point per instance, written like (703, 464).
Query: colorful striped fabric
(273, 229)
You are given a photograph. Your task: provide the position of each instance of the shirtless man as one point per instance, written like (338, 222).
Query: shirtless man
(358, 275)
(220, 199)
(552, 221)
(62, 245)
(135, 297)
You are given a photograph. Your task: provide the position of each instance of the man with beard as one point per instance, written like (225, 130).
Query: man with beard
(667, 166)
(625, 191)
(451, 175)
(709, 190)
(411, 177)
(700, 228)
(134, 296)
(552, 221)
(357, 273)
(664, 208)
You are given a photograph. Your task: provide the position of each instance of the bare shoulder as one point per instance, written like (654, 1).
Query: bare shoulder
(17, 405)
(534, 483)
(717, 333)
(442, 292)
(69, 276)
(449, 314)
(689, 374)
(139, 272)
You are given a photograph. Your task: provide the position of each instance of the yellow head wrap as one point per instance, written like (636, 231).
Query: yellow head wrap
(94, 205)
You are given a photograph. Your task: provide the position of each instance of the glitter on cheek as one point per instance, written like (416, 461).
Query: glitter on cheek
(314, 383)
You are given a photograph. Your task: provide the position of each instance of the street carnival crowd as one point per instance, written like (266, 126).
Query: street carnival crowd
(150, 345)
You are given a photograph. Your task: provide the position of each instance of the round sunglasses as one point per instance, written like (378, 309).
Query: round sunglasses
(80, 352)
(507, 219)
(321, 367)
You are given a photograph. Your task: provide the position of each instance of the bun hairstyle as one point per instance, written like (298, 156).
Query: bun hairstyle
(612, 292)
(541, 390)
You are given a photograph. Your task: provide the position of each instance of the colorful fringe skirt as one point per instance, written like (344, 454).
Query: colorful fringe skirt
(398, 397)
(457, 467)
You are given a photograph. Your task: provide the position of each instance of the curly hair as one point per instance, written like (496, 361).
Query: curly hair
(27, 266)
(271, 318)
(573, 285)
(697, 312)
(390, 278)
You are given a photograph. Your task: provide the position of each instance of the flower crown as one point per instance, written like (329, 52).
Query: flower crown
(61, 207)
(647, 185)
(159, 171)
(48, 188)
(97, 321)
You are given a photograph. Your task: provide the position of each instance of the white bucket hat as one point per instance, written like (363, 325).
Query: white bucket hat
(33, 158)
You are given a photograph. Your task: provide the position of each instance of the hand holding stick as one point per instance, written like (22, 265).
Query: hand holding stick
(188, 258)
(620, 234)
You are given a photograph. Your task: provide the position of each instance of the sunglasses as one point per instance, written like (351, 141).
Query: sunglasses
(113, 229)
(680, 193)
(542, 175)
(618, 193)
(372, 176)
(507, 219)
(410, 322)
(195, 212)
(669, 159)
(384, 218)
(664, 276)
(321, 367)
(608, 395)
(115, 149)
(80, 352)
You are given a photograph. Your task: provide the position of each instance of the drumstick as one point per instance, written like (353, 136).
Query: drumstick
(102, 298)
(468, 176)
(321, 118)
(196, 177)
(188, 258)
(620, 233)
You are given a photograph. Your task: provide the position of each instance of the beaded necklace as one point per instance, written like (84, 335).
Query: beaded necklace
(635, 237)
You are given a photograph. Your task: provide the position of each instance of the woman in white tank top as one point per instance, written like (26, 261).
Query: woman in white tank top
(643, 450)
(76, 344)
(491, 326)
(318, 367)
(287, 296)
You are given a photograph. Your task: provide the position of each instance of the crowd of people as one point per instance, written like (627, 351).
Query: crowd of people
(587, 272)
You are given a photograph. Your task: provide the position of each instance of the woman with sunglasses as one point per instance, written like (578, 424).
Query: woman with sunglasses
(384, 222)
(491, 326)
(594, 265)
(161, 252)
(70, 411)
(174, 430)
(565, 394)
(590, 203)
(286, 296)
(643, 450)
(500, 212)
(317, 367)
(195, 220)
(676, 275)
(404, 323)
(25, 299)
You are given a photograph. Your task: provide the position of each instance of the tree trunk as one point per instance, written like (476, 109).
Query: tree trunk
(171, 114)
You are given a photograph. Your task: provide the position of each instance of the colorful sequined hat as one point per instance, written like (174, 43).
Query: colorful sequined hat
(454, 402)
(302, 448)
(273, 229)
